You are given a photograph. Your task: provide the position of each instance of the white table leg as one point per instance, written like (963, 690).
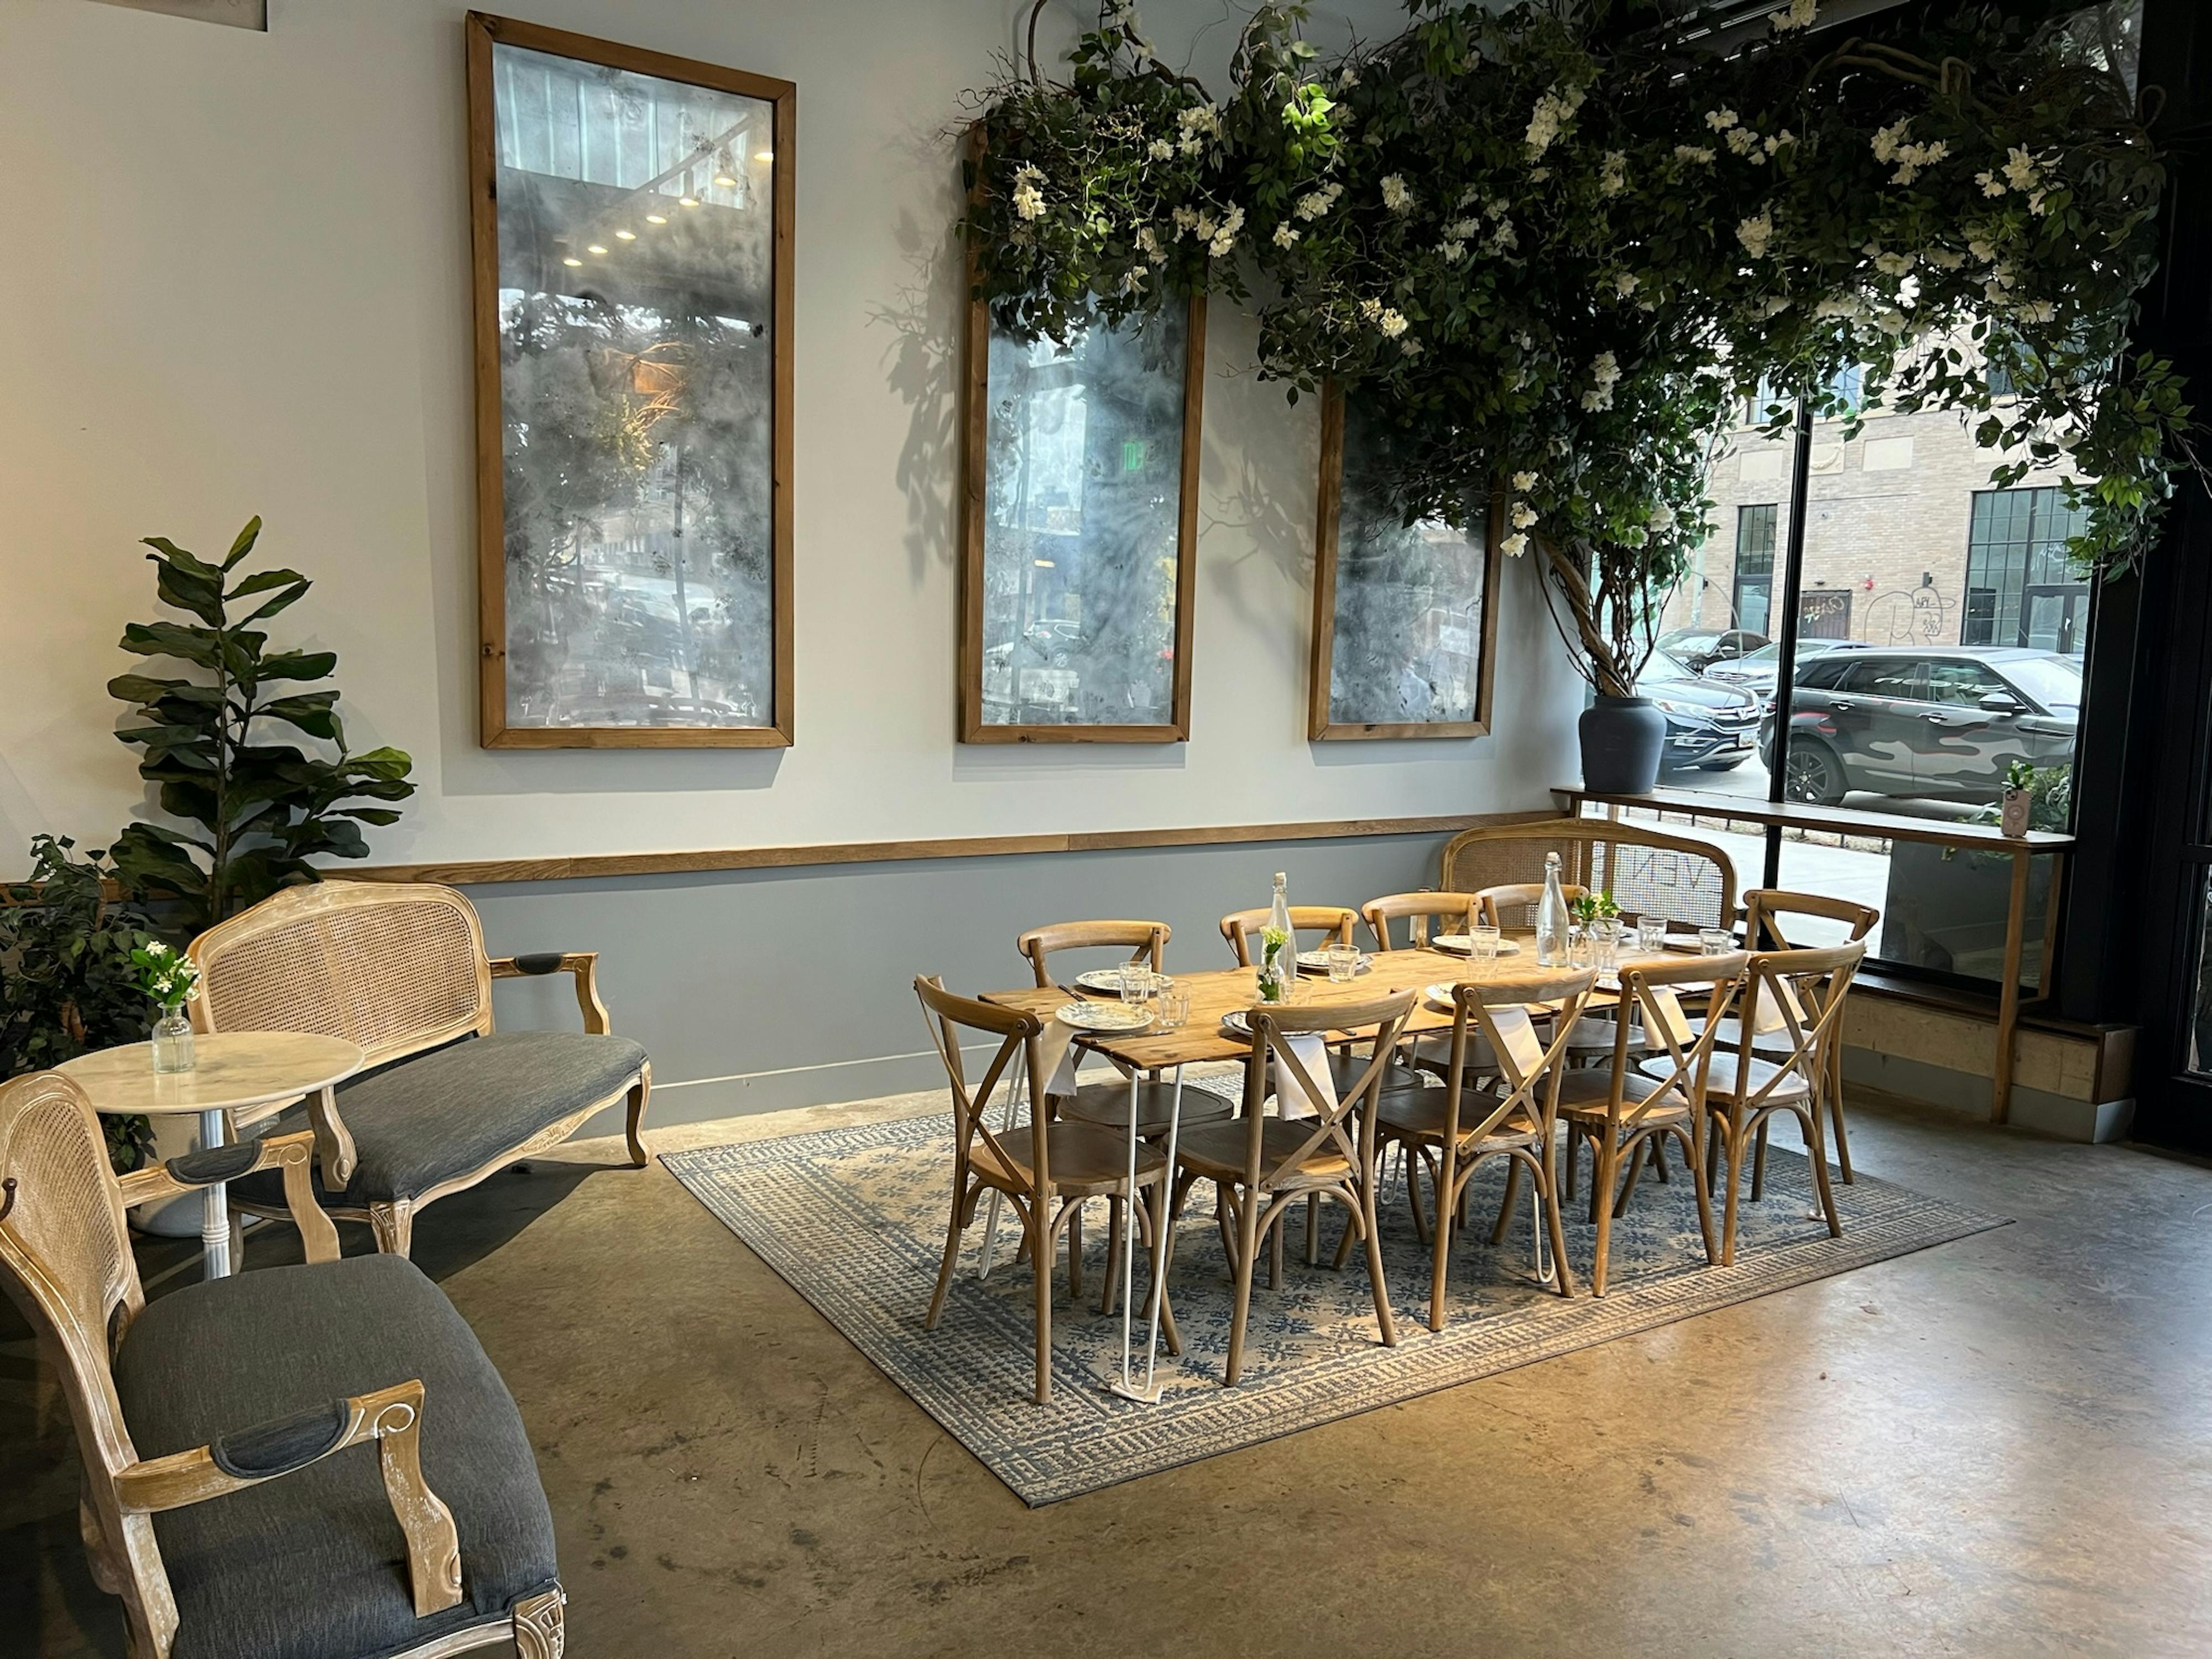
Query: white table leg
(1126, 1385)
(214, 1205)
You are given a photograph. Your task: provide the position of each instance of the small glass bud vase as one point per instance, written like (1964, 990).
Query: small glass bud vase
(172, 1042)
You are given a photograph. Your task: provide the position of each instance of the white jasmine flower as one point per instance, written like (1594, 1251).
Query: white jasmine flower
(1720, 120)
(1886, 141)
(1223, 241)
(1776, 141)
(2038, 311)
(1774, 306)
(1756, 232)
(1028, 196)
(1453, 252)
(1460, 229)
(1514, 545)
(1522, 515)
(1604, 373)
(1185, 219)
(1147, 244)
(1160, 150)
(1944, 258)
(1133, 280)
(1392, 325)
(1624, 284)
(1350, 77)
(1285, 235)
(1524, 481)
(1799, 15)
(1371, 309)
(1662, 520)
(1505, 238)
(1891, 323)
(1314, 203)
(1743, 141)
(1410, 346)
(2035, 204)
(1554, 107)
(1613, 172)
(1396, 196)
(1693, 153)
(1894, 265)
(1537, 175)
(2019, 169)
(1982, 248)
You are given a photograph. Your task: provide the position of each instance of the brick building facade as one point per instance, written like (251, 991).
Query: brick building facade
(1906, 542)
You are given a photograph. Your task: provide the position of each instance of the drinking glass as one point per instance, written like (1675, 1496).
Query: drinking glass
(1605, 946)
(1174, 1005)
(1482, 942)
(1715, 941)
(1137, 983)
(1578, 946)
(1343, 963)
(1651, 934)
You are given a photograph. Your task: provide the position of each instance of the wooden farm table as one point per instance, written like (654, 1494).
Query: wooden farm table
(1227, 990)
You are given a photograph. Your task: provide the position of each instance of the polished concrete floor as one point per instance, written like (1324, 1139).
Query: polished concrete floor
(2002, 1446)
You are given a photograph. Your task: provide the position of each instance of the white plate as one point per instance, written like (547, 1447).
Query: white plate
(1106, 980)
(1461, 945)
(1438, 996)
(1102, 1016)
(1316, 962)
(1236, 1025)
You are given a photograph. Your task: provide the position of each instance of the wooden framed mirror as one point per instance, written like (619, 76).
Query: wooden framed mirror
(1079, 531)
(632, 216)
(1405, 624)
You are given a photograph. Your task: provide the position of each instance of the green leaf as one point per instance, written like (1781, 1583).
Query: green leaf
(200, 645)
(298, 665)
(199, 592)
(166, 550)
(310, 711)
(244, 544)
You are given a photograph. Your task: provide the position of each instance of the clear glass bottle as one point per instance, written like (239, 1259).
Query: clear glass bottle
(1279, 947)
(172, 1042)
(1551, 918)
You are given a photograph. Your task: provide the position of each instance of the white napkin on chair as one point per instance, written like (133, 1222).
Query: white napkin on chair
(1290, 1095)
(1056, 1053)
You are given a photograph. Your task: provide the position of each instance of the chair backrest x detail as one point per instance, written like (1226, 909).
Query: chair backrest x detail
(1147, 942)
(1274, 1025)
(1651, 1002)
(947, 1015)
(1498, 1010)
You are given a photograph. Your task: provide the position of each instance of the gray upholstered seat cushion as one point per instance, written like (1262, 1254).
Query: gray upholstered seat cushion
(454, 1109)
(311, 1565)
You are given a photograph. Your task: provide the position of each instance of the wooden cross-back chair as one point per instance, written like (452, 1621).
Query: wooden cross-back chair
(443, 1102)
(1650, 872)
(1035, 1164)
(1448, 1132)
(1263, 1166)
(1796, 997)
(1633, 1106)
(1107, 1103)
(1773, 918)
(1333, 922)
(1513, 903)
(1417, 911)
(253, 1390)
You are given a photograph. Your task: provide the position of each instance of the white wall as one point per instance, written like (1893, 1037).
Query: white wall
(235, 280)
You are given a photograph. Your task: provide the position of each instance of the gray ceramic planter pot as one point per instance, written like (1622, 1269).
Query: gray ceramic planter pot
(1622, 738)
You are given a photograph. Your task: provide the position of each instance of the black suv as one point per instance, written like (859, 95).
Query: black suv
(1932, 725)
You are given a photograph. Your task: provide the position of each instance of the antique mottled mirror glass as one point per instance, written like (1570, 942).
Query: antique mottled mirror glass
(1404, 616)
(1080, 531)
(633, 246)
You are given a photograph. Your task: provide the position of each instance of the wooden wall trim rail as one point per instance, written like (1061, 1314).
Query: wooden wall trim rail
(467, 872)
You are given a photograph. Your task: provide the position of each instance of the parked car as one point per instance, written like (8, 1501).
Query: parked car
(1709, 726)
(1930, 724)
(1701, 647)
(1756, 671)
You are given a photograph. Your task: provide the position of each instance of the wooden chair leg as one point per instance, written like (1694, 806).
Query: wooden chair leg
(1635, 1170)
(1247, 1257)
(1556, 1224)
(638, 1092)
(1601, 1213)
(1733, 1147)
(1040, 1254)
(1313, 1229)
(1835, 1093)
(393, 1225)
(1417, 1159)
(1224, 1218)
(1758, 1163)
(1275, 1250)
(1114, 1223)
(1659, 1159)
(952, 1231)
(1506, 1209)
(1816, 1144)
(540, 1626)
(1075, 1249)
(1440, 1253)
(1574, 1157)
(1370, 1230)
(1694, 1163)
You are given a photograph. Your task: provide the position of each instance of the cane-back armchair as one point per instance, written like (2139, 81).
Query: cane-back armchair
(1650, 872)
(442, 1101)
(255, 1390)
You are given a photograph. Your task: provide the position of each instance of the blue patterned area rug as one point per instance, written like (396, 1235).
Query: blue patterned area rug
(854, 1220)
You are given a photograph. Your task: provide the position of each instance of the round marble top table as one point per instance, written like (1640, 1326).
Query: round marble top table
(236, 1072)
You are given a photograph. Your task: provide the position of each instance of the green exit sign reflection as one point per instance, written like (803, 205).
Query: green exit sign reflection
(1133, 454)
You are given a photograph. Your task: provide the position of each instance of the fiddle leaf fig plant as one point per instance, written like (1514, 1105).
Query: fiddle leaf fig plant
(260, 807)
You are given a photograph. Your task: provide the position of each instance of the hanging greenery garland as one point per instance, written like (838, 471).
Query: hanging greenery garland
(1550, 255)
